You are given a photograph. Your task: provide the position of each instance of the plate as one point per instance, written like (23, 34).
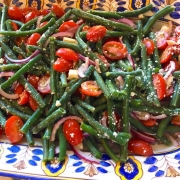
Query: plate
(22, 161)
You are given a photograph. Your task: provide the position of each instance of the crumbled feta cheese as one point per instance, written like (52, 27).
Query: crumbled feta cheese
(73, 74)
(1, 60)
(58, 103)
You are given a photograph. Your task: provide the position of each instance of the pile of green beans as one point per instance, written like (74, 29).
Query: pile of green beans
(63, 90)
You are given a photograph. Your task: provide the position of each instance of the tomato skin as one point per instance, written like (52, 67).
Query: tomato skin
(176, 120)
(27, 10)
(43, 24)
(32, 40)
(62, 65)
(85, 28)
(149, 46)
(33, 104)
(166, 66)
(12, 129)
(19, 88)
(33, 80)
(160, 85)
(20, 40)
(59, 11)
(67, 54)
(95, 33)
(149, 122)
(44, 84)
(30, 16)
(66, 25)
(166, 55)
(23, 98)
(44, 12)
(140, 147)
(90, 88)
(15, 13)
(72, 132)
(1, 131)
(161, 39)
(114, 50)
(14, 26)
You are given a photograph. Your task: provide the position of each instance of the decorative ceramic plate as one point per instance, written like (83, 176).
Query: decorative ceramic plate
(22, 161)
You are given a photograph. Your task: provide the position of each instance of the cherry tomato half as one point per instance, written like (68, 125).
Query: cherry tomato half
(14, 26)
(30, 16)
(44, 12)
(19, 88)
(59, 11)
(149, 122)
(23, 98)
(44, 84)
(72, 132)
(166, 55)
(166, 66)
(114, 50)
(62, 65)
(33, 104)
(33, 80)
(176, 120)
(12, 129)
(140, 147)
(15, 13)
(32, 40)
(66, 25)
(159, 85)
(67, 54)
(149, 46)
(43, 24)
(95, 33)
(90, 88)
(161, 39)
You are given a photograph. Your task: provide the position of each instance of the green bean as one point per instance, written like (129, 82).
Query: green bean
(8, 24)
(2, 119)
(99, 100)
(45, 143)
(172, 129)
(89, 129)
(122, 73)
(48, 16)
(51, 151)
(3, 18)
(29, 138)
(63, 78)
(19, 23)
(100, 20)
(111, 115)
(19, 51)
(161, 13)
(47, 133)
(62, 144)
(124, 66)
(121, 138)
(175, 101)
(71, 109)
(49, 120)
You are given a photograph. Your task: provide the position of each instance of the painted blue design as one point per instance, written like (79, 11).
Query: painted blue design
(157, 3)
(102, 170)
(11, 161)
(121, 2)
(177, 156)
(1, 4)
(69, 3)
(100, 5)
(67, 9)
(154, 9)
(176, 4)
(53, 1)
(14, 1)
(179, 167)
(178, 162)
(49, 5)
(103, 1)
(105, 164)
(129, 175)
(120, 5)
(80, 169)
(32, 162)
(14, 149)
(31, 3)
(54, 169)
(36, 158)
(150, 160)
(74, 157)
(79, 163)
(121, 9)
(105, 157)
(134, 5)
(159, 173)
(37, 151)
(176, 13)
(10, 155)
(153, 169)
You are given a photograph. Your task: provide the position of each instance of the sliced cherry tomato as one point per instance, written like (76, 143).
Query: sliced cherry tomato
(104, 60)
(169, 91)
(166, 66)
(23, 98)
(27, 10)
(30, 16)
(176, 120)
(14, 26)
(114, 50)
(15, 13)
(20, 40)
(66, 25)
(149, 46)
(90, 88)
(67, 54)
(33, 80)
(19, 88)
(44, 12)
(161, 39)
(85, 28)
(95, 33)
(149, 122)
(32, 103)
(12, 129)
(59, 11)
(159, 85)
(44, 84)
(166, 55)
(72, 132)
(140, 147)
(32, 40)
(177, 30)
(43, 24)
(62, 65)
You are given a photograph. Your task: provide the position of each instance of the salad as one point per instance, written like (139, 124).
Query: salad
(89, 79)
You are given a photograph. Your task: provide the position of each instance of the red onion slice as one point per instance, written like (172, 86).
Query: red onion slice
(8, 96)
(161, 116)
(2, 74)
(141, 115)
(61, 121)
(82, 69)
(125, 21)
(22, 61)
(173, 141)
(104, 119)
(142, 136)
(39, 21)
(73, 29)
(131, 60)
(63, 34)
(80, 154)
(120, 82)
(170, 70)
(83, 58)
